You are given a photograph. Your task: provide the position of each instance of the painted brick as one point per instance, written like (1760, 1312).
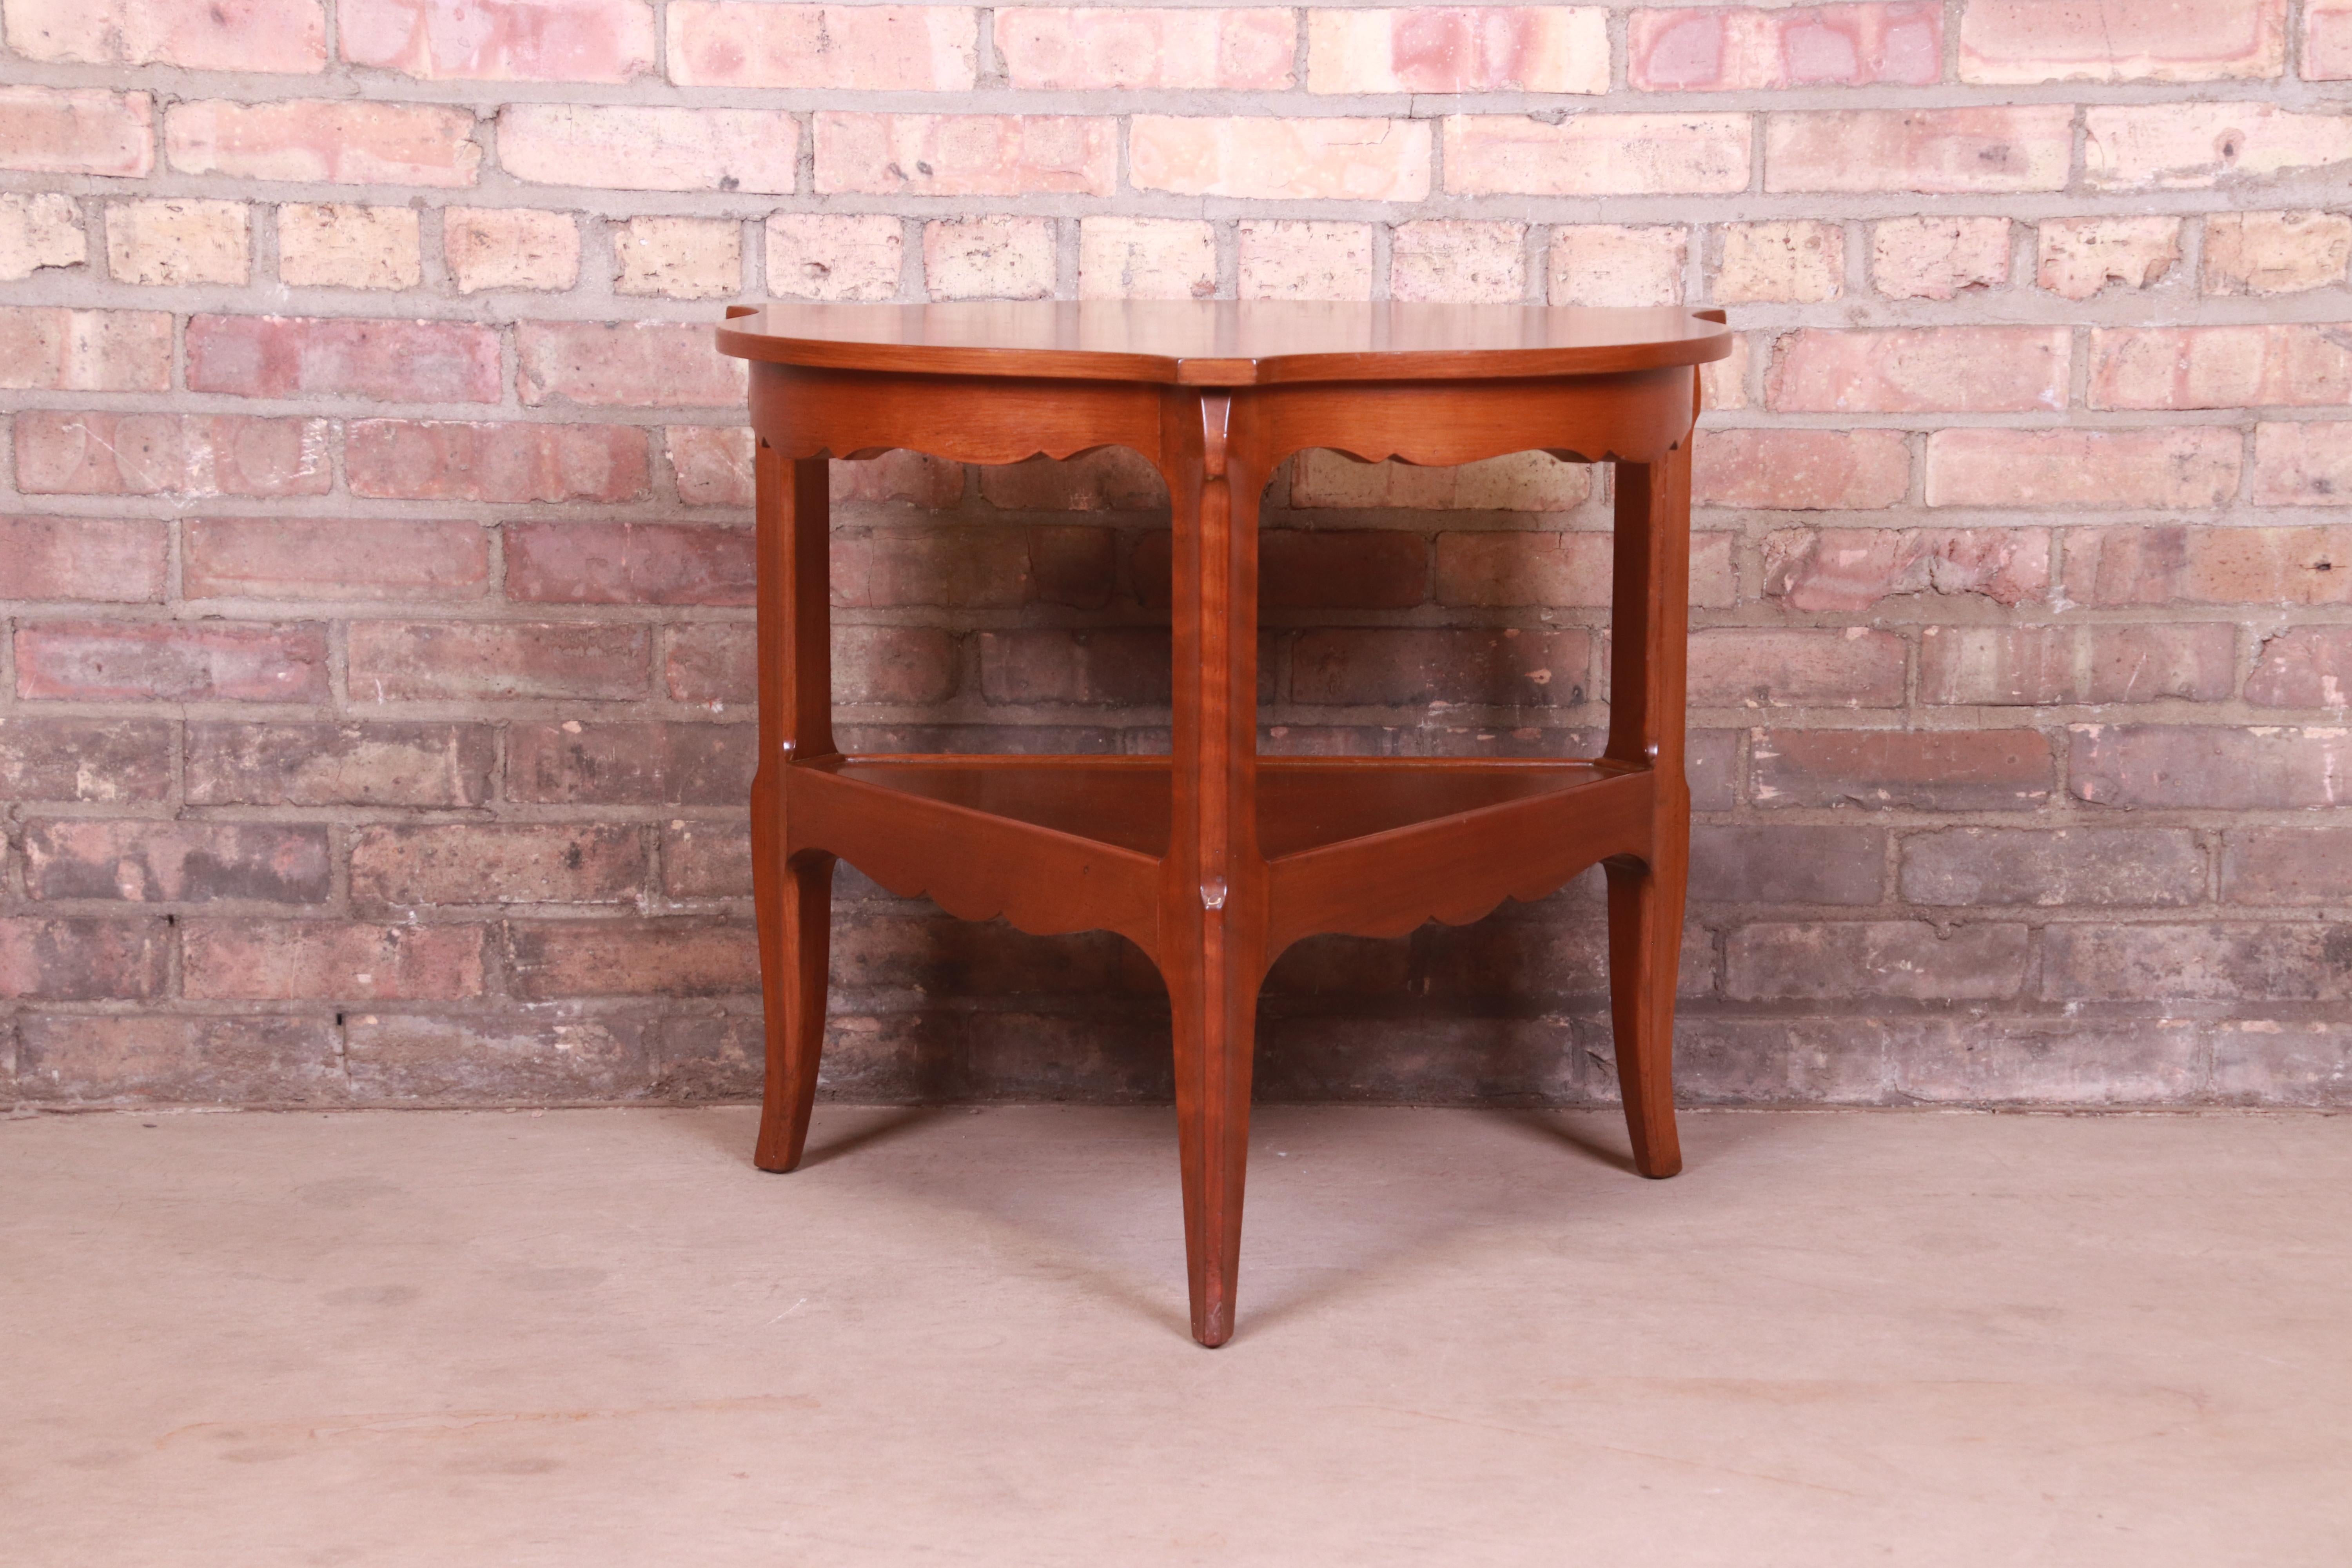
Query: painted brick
(96, 558)
(37, 230)
(1272, 158)
(329, 558)
(340, 764)
(1904, 770)
(1595, 155)
(706, 860)
(2275, 252)
(1051, 50)
(1282, 260)
(171, 661)
(1779, 863)
(492, 661)
(2327, 54)
(1800, 261)
(2032, 666)
(2187, 146)
(78, 1057)
(49, 349)
(96, 762)
(682, 258)
(1909, 960)
(965, 155)
(2161, 765)
(1800, 470)
(2219, 367)
(1768, 667)
(431, 459)
(713, 664)
(1937, 257)
(508, 863)
(413, 1058)
(2008, 42)
(165, 244)
(176, 862)
(2303, 465)
(1855, 568)
(1980, 151)
(901, 665)
(291, 960)
(1145, 258)
(1115, 665)
(602, 364)
(340, 244)
(2194, 466)
(2303, 962)
(628, 563)
(76, 130)
(1459, 261)
(510, 40)
(331, 142)
(2302, 666)
(509, 247)
(382, 361)
(989, 258)
(2287, 866)
(838, 48)
(2078, 257)
(1723, 49)
(598, 958)
(630, 764)
(632, 148)
(1616, 264)
(1969, 370)
(835, 256)
(2176, 565)
(2157, 866)
(82, 960)
(1457, 49)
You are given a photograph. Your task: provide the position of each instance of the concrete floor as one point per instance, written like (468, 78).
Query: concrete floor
(589, 1338)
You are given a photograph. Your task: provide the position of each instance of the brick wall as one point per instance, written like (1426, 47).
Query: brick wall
(373, 703)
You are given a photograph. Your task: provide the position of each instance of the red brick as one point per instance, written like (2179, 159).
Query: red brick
(408, 1058)
(706, 860)
(275, 36)
(158, 454)
(2109, 469)
(1118, 666)
(2162, 765)
(292, 960)
(1595, 155)
(1110, 479)
(173, 661)
(1458, 49)
(2078, 258)
(2174, 563)
(916, 477)
(1523, 481)
(509, 247)
(2151, 865)
(837, 48)
(2304, 666)
(76, 130)
(712, 663)
(898, 665)
(2266, 1061)
(711, 464)
(627, 363)
(628, 563)
(386, 362)
(2028, 665)
(1145, 258)
(2005, 42)
(106, 761)
(965, 155)
(1959, 369)
(432, 459)
(1458, 262)
(1779, 863)
(1855, 568)
(632, 148)
(318, 141)
(2238, 962)
(1768, 667)
(836, 255)
(1300, 260)
(1143, 49)
(1506, 568)
(82, 960)
(1794, 260)
(490, 661)
(176, 862)
(1477, 668)
(2219, 367)
(2303, 465)
(1272, 158)
(990, 257)
(74, 1058)
(1914, 770)
(1800, 470)
(501, 863)
(522, 40)
(601, 958)
(2190, 146)
(45, 348)
(1909, 960)
(117, 560)
(573, 764)
(967, 567)
(2275, 252)
(1724, 49)
(331, 558)
(1937, 257)
(2327, 53)
(1627, 264)
(1981, 151)
(40, 230)
(2287, 866)
(340, 764)
(1341, 569)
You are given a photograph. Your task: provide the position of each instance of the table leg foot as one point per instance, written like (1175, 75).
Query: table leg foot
(794, 900)
(1646, 939)
(1215, 1025)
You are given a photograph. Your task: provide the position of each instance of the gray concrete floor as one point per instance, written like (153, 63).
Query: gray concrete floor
(583, 1338)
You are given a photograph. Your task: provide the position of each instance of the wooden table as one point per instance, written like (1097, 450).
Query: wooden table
(1214, 859)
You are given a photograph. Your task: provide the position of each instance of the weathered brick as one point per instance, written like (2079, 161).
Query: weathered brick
(923, 479)
(1800, 261)
(682, 258)
(630, 764)
(835, 256)
(320, 141)
(2189, 468)
(153, 454)
(2275, 252)
(900, 664)
(1616, 264)
(320, 558)
(382, 362)
(1594, 155)
(76, 130)
(634, 148)
(2287, 866)
(1294, 260)
(2028, 665)
(2303, 465)
(1124, 666)
(523, 40)
(975, 566)
(1459, 261)
(1981, 151)
(275, 36)
(1909, 960)
(2269, 1061)
(171, 661)
(1855, 568)
(2007, 42)
(492, 661)
(1956, 369)
(260, 1061)
(994, 258)
(1778, 863)
(2159, 867)
(1051, 50)
(853, 48)
(1345, 568)
(1457, 49)
(2327, 54)
(2265, 769)
(1508, 568)
(1484, 668)
(82, 960)
(1761, 667)
(600, 958)
(407, 1060)
(176, 862)
(2219, 367)
(1723, 49)
(165, 244)
(1145, 258)
(509, 247)
(1523, 481)
(1111, 478)
(2234, 962)
(1800, 470)
(2302, 666)
(1913, 770)
(40, 229)
(659, 365)
(292, 960)
(430, 460)
(710, 662)
(628, 563)
(711, 465)
(1937, 257)
(1272, 158)
(2078, 256)
(1723, 382)
(340, 764)
(342, 245)
(497, 863)
(707, 859)
(109, 558)
(99, 762)
(965, 155)
(45, 349)
(2034, 1061)
(2187, 146)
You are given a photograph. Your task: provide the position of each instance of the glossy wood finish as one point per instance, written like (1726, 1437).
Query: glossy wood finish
(1213, 859)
